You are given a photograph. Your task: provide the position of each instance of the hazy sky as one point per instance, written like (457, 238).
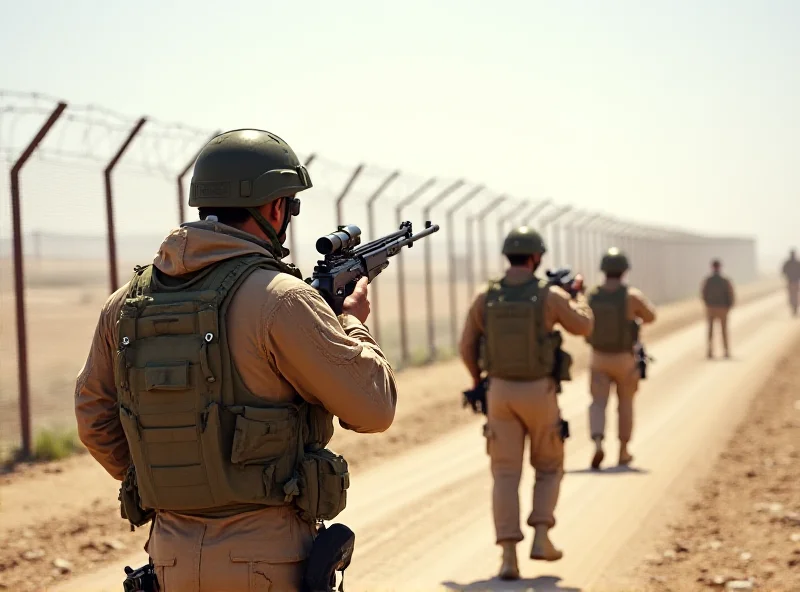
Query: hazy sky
(682, 112)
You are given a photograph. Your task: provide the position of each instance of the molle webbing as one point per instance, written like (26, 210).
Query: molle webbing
(613, 332)
(202, 442)
(516, 344)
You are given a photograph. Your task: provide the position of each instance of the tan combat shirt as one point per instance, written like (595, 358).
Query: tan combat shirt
(574, 316)
(284, 339)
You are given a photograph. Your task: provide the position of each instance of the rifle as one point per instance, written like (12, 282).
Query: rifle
(346, 262)
(476, 397)
(141, 580)
(642, 358)
(563, 278)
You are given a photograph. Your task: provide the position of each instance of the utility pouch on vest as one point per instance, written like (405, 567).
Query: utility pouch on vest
(612, 331)
(323, 483)
(516, 346)
(130, 504)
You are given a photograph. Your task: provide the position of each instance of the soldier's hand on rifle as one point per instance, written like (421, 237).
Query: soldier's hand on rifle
(577, 286)
(357, 304)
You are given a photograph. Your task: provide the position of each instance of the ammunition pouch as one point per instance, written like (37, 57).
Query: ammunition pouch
(322, 483)
(130, 503)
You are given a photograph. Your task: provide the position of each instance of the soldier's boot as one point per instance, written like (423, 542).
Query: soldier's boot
(625, 457)
(543, 548)
(509, 570)
(599, 455)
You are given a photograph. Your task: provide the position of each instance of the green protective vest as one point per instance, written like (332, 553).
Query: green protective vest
(200, 441)
(716, 292)
(613, 332)
(516, 345)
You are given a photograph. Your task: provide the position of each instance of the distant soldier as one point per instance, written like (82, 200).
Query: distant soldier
(718, 296)
(618, 311)
(514, 321)
(791, 270)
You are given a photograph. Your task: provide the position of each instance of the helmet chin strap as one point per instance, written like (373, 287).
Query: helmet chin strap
(280, 250)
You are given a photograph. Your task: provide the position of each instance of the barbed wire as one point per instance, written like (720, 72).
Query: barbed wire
(88, 136)
(93, 134)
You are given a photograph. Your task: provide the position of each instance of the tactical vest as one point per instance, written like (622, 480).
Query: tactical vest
(516, 345)
(715, 292)
(200, 441)
(613, 332)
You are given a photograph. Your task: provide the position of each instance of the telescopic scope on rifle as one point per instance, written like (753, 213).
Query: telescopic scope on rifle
(345, 238)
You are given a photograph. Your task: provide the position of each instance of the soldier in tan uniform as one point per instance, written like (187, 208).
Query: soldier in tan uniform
(719, 297)
(513, 322)
(618, 311)
(213, 378)
(791, 271)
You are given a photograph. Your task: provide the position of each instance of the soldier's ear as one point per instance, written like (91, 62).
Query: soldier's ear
(272, 212)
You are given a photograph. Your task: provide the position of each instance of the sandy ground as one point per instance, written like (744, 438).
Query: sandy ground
(82, 529)
(742, 527)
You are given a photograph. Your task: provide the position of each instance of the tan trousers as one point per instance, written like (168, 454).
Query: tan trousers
(794, 295)
(516, 410)
(621, 370)
(260, 551)
(721, 315)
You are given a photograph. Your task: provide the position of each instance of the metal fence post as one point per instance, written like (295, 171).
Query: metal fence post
(546, 222)
(292, 230)
(401, 283)
(19, 282)
(481, 219)
(537, 209)
(451, 258)
(376, 326)
(426, 250)
(182, 175)
(470, 256)
(112, 238)
(345, 191)
(502, 220)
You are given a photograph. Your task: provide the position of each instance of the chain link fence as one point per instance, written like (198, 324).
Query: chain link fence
(93, 192)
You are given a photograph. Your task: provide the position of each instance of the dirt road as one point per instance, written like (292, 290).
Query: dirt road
(423, 520)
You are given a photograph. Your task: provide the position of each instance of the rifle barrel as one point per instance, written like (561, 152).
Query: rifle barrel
(380, 242)
(422, 234)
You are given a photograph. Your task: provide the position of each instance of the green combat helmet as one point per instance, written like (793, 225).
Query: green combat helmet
(614, 261)
(524, 241)
(248, 168)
